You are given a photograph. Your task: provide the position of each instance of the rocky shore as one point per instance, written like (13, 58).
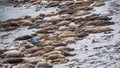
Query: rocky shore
(47, 45)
